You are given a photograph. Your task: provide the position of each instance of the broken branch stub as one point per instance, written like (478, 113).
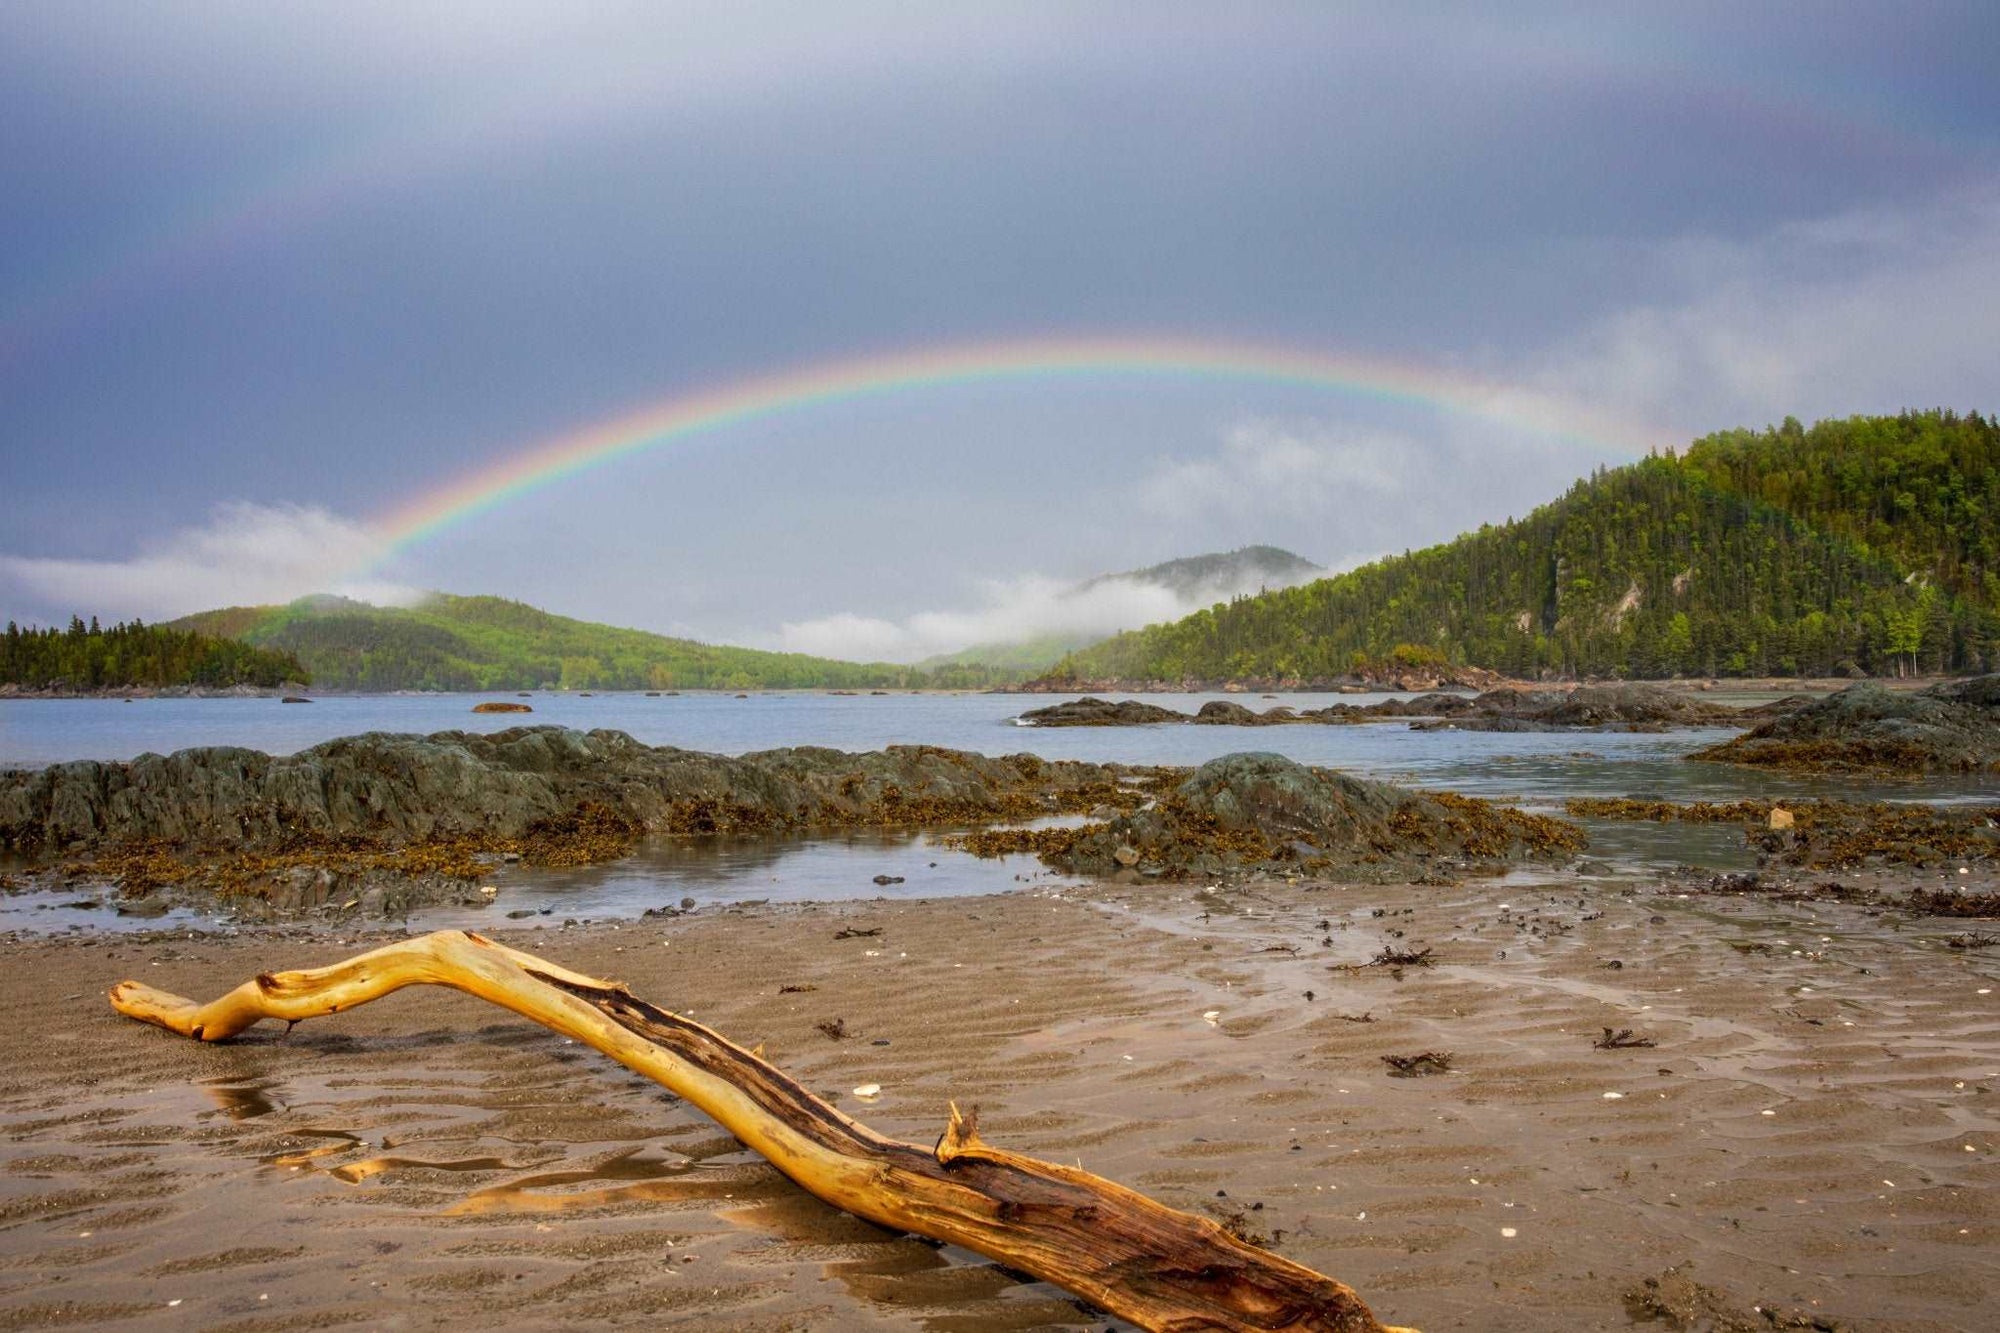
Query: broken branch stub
(1131, 1255)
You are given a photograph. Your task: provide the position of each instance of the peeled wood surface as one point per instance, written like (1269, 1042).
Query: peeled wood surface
(1139, 1259)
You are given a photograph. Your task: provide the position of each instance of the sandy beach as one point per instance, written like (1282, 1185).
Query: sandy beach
(1813, 1133)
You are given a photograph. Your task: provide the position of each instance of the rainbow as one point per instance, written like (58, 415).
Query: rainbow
(684, 416)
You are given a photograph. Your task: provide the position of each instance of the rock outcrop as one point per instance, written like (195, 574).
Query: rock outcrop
(1267, 814)
(395, 790)
(1949, 727)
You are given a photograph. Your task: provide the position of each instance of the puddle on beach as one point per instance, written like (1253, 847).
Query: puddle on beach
(661, 873)
(664, 872)
(94, 909)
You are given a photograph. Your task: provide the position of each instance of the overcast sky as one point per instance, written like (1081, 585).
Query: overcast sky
(269, 274)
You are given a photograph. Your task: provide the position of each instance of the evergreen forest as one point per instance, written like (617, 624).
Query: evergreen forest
(1864, 546)
(84, 658)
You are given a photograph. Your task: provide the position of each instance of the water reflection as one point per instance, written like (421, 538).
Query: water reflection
(636, 1175)
(664, 873)
(242, 1098)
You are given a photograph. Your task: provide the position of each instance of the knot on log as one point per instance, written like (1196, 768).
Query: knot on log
(960, 1137)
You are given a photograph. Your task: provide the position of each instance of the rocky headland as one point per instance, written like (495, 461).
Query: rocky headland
(1953, 726)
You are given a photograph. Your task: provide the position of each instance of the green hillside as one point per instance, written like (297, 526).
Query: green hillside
(1865, 545)
(136, 656)
(1021, 659)
(489, 643)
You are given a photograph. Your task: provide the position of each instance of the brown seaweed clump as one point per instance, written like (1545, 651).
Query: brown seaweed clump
(589, 833)
(1954, 902)
(1678, 1301)
(312, 870)
(1832, 835)
(1664, 812)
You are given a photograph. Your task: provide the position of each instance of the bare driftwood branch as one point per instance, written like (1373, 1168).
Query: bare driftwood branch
(1117, 1249)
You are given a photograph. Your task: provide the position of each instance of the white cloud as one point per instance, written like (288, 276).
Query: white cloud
(1015, 610)
(1274, 467)
(246, 554)
(1866, 311)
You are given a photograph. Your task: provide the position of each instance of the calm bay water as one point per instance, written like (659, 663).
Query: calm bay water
(1545, 766)
(1539, 770)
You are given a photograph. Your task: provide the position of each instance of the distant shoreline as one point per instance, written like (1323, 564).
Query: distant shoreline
(1801, 684)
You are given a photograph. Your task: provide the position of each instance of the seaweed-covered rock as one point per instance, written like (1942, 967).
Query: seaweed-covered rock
(1266, 812)
(399, 789)
(1953, 726)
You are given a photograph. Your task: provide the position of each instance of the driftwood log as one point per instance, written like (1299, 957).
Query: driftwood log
(1117, 1249)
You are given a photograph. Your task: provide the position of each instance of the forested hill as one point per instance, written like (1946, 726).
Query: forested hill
(1865, 545)
(486, 643)
(83, 658)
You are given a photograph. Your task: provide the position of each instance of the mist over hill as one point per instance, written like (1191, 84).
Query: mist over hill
(1081, 614)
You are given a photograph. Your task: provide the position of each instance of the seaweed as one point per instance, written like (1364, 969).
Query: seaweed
(1622, 1039)
(1953, 902)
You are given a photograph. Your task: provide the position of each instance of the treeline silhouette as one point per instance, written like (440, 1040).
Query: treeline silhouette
(136, 656)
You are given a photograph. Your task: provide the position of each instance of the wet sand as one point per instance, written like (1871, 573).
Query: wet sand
(1814, 1132)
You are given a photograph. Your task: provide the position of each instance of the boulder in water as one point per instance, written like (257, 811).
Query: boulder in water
(1090, 711)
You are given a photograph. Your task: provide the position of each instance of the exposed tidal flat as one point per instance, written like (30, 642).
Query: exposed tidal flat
(1810, 1133)
(1797, 1119)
